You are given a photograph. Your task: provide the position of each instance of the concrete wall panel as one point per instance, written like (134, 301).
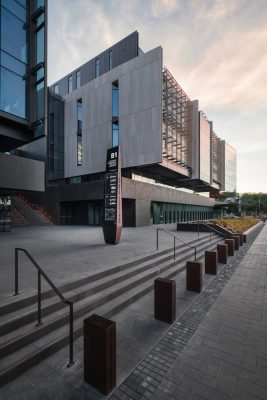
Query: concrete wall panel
(140, 116)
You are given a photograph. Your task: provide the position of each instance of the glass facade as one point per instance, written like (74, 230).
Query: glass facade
(79, 132)
(97, 67)
(230, 168)
(78, 79)
(70, 84)
(115, 114)
(205, 148)
(13, 58)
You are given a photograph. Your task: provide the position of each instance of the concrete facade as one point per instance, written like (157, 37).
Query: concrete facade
(140, 116)
(27, 174)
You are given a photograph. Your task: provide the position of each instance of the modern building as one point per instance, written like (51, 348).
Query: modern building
(169, 149)
(23, 96)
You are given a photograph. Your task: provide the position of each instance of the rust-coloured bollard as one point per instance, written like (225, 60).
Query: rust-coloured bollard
(241, 238)
(165, 300)
(231, 246)
(194, 276)
(211, 262)
(222, 250)
(100, 353)
(237, 241)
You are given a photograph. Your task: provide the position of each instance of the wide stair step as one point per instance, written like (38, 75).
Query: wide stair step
(24, 215)
(106, 292)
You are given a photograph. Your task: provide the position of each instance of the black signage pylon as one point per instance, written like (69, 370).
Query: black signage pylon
(112, 224)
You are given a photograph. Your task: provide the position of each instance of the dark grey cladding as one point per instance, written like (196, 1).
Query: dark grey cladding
(123, 51)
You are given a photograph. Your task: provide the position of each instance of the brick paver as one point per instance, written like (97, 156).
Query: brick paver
(218, 349)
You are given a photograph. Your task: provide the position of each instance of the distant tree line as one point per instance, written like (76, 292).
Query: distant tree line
(246, 203)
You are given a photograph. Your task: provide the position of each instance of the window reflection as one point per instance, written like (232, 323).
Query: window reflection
(12, 99)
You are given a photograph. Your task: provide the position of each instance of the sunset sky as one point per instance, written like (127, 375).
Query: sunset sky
(216, 49)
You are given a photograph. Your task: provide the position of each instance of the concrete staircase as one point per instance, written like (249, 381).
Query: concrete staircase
(23, 214)
(105, 292)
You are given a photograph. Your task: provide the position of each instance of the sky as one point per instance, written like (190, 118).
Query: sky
(216, 50)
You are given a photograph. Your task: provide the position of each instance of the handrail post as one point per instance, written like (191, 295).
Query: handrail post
(195, 253)
(71, 362)
(16, 272)
(157, 238)
(197, 228)
(210, 235)
(174, 247)
(39, 300)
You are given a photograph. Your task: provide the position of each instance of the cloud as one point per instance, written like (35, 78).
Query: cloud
(163, 8)
(216, 49)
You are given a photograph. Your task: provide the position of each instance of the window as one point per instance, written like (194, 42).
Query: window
(115, 134)
(115, 113)
(40, 100)
(78, 79)
(79, 150)
(13, 36)
(40, 41)
(79, 115)
(115, 99)
(70, 84)
(97, 67)
(79, 132)
(13, 89)
(110, 59)
(56, 89)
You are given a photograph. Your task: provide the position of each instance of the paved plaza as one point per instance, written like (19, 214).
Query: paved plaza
(68, 253)
(217, 348)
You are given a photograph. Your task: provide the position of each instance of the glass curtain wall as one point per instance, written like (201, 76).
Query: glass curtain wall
(14, 58)
(205, 148)
(39, 68)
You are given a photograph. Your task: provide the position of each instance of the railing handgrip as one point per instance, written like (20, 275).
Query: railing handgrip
(56, 290)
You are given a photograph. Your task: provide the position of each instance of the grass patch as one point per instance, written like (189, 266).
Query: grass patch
(236, 225)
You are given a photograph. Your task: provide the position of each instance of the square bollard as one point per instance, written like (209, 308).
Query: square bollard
(222, 250)
(194, 276)
(231, 246)
(237, 241)
(241, 239)
(165, 300)
(100, 353)
(211, 262)
(244, 238)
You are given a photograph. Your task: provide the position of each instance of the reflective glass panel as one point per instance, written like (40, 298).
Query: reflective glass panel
(40, 74)
(79, 115)
(97, 67)
(205, 149)
(56, 89)
(13, 64)
(39, 3)
(69, 84)
(79, 150)
(15, 8)
(40, 46)
(22, 3)
(115, 99)
(40, 20)
(13, 36)
(78, 79)
(115, 135)
(40, 100)
(12, 95)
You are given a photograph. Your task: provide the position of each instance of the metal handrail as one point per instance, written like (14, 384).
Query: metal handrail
(56, 290)
(210, 228)
(174, 238)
